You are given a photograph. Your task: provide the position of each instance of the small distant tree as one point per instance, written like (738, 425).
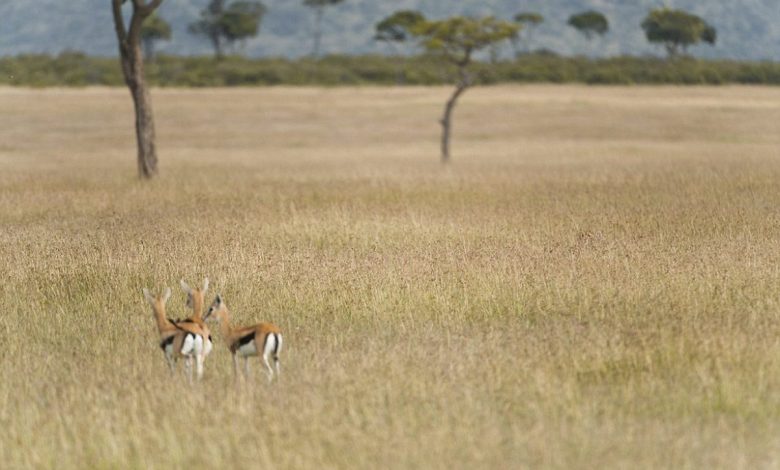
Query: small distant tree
(396, 30)
(228, 24)
(528, 21)
(590, 24)
(456, 40)
(209, 25)
(319, 11)
(677, 30)
(154, 29)
(132, 62)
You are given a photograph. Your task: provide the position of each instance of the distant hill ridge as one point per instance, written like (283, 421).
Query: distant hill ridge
(748, 29)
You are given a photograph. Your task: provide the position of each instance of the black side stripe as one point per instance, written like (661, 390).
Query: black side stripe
(246, 339)
(276, 346)
(167, 341)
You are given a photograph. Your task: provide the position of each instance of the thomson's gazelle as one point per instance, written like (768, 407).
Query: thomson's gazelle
(263, 339)
(177, 340)
(196, 301)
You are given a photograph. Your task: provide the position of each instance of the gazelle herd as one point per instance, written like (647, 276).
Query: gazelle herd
(190, 339)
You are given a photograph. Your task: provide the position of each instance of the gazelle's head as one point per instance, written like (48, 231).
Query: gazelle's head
(196, 295)
(158, 302)
(217, 311)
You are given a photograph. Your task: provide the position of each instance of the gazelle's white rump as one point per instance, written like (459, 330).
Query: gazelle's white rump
(192, 344)
(270, 344)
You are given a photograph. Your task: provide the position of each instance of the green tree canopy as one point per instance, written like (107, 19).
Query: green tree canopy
(154, 29)
(590, 23)
(222, 23)
(458, 38)
(677, 29)
(241, 20)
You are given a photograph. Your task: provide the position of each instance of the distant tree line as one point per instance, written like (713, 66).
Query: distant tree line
(230, 24)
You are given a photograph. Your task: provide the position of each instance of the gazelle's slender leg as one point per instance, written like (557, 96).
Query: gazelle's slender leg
(270, 372)
(171, 363)
(246, 367)
(235, 367)
(276, 355)
(188, 368)
(199, 365)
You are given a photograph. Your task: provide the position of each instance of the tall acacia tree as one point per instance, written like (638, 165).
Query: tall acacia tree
(132, 61)
(319, 11)
(456, 39)
(677, 30)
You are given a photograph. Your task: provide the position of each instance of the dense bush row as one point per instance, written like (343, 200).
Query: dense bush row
(75, 69)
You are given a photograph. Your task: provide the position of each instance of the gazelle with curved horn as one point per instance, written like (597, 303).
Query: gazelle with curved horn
(263, 339)
(184, 340)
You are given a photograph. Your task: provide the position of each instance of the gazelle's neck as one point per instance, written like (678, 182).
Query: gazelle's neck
(197, 308)
(159, 316)
(224, 324)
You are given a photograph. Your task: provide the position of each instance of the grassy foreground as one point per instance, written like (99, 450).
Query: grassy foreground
(594, 283)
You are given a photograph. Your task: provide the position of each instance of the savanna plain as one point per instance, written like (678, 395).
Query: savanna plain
(593, 283)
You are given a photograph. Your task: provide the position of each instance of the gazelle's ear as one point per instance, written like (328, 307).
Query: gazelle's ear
(166, 294)
(205, 285)
(148, 295)
(185, 287)
(218, 300)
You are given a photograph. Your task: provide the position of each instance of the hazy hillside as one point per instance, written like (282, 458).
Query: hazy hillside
(748, 28)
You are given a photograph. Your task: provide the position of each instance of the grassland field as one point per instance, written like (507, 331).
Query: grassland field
(593, 283)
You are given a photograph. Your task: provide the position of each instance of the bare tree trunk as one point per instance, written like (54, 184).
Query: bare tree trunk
(131, 58)
(144, 131)
(672, 50)
(446, 121)
(515, 42)
(216, 42)
(317, 32)
(400, 71)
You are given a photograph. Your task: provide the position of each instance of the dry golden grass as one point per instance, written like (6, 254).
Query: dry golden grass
(594, 283)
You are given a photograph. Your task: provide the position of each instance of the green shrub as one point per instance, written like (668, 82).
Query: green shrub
(76, 69)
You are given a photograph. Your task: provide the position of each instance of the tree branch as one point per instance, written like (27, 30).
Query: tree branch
(135, 27)
(119, 22)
